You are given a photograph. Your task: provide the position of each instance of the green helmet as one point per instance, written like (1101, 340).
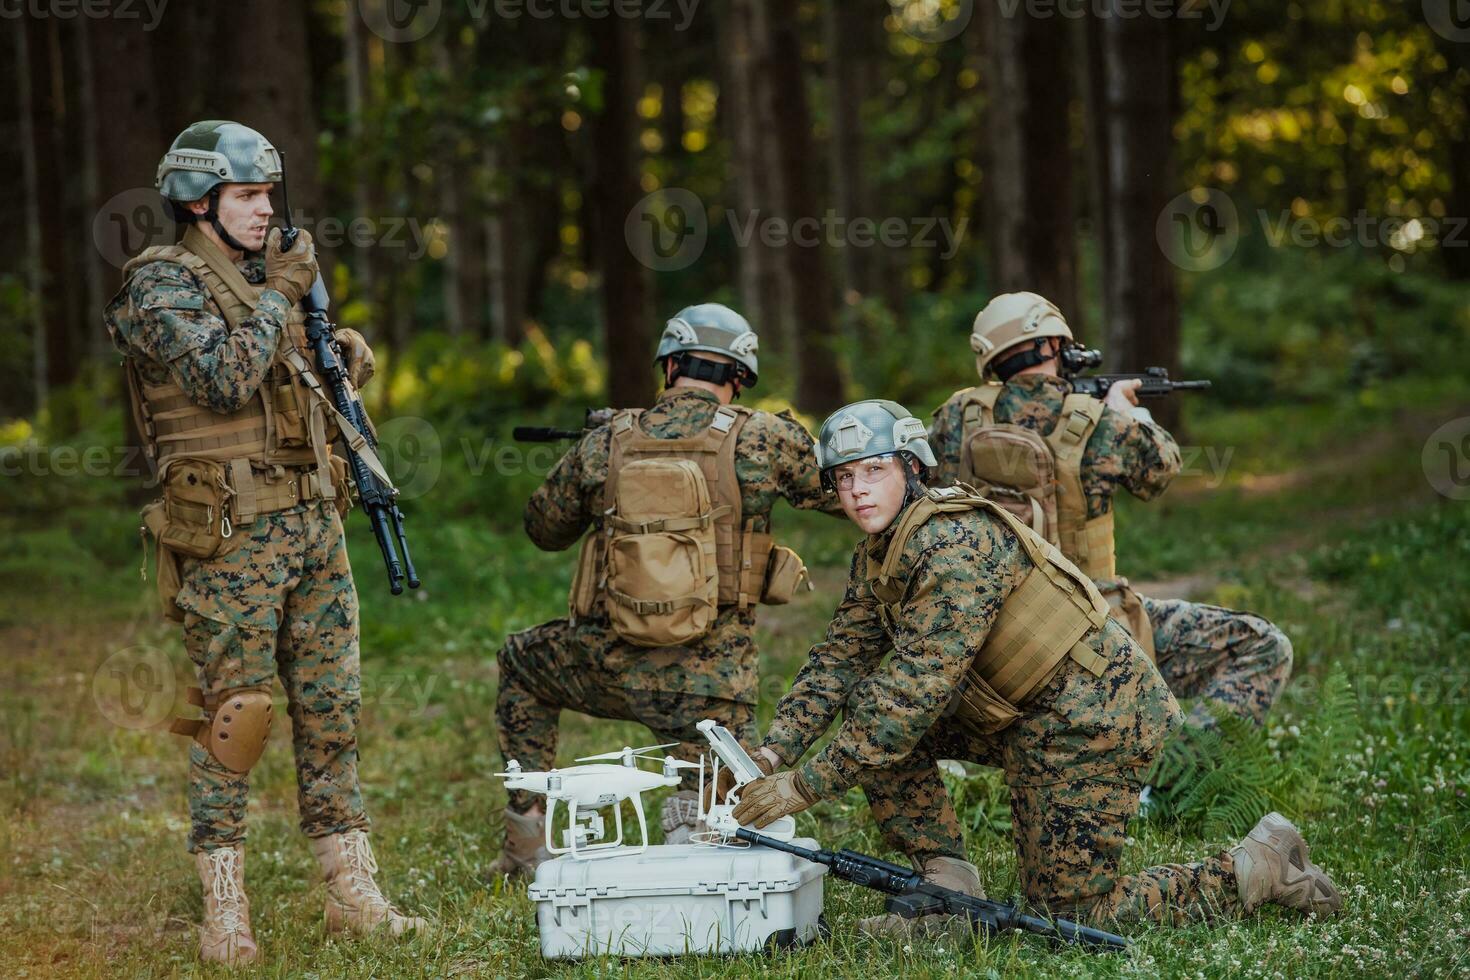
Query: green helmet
(874, 427)
(215, 152)
(716, 329)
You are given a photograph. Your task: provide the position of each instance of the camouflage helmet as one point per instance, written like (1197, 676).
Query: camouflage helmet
(214, 152)
(870, 428)
(1014, 318)
(715, 329)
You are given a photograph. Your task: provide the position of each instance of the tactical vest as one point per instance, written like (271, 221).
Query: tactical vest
(276, 449)
(1039, 478)
(741, 554)
(1047, 618)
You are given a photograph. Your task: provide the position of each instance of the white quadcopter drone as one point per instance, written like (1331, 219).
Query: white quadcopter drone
(588, 789)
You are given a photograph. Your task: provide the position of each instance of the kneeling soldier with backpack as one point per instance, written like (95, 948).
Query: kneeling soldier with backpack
(662, 613)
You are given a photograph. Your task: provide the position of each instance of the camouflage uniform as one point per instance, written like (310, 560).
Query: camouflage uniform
(283, 602)
(584, 666)
(1219, 656)
(1073, 759)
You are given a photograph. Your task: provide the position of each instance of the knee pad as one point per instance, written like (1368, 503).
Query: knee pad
(234, 728)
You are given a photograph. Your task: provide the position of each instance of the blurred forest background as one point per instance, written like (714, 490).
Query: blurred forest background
(479, 176)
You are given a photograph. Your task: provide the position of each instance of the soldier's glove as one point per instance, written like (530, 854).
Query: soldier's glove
(358, 356)
(770, 798)
(726, 781)
(290, 273)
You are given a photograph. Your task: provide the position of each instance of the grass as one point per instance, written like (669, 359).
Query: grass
(1323, 522)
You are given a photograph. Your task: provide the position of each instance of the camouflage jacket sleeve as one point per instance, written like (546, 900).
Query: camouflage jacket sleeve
(217, 368)
(800, 480)
(565, 503)
(945, 435)
(958, 573)
(1136, 454)
(854, 643)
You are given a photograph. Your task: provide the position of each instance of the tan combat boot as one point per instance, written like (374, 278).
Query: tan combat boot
(525, 844)
(1272, 864)
(354, 902)
(947, 872)
(225, 935)
(680, 818)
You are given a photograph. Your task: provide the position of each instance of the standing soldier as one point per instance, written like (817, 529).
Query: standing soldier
(251, 554)
(1003, 653)
(1055, 459)
(662, 618)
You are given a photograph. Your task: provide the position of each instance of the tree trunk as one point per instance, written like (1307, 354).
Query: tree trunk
(746, 106)
(1030, 207)
(503, 249)
(847, 24)
(615, 192)
(819, 379)
(263, 76)
(1143, 325)
(31, 182)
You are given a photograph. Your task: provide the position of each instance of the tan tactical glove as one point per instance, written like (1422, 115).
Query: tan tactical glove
(726, 782)
(357, 356)
(770, 798)
(292, 273)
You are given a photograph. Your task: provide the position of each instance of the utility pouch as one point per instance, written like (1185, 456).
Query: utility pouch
(979, 708)
(587, 582)
(1127, 608)
(785, 572)
(342, 485)
(197, 508)
(289, 410)
(167, 578)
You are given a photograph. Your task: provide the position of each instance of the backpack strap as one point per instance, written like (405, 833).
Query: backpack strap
(1068, 441)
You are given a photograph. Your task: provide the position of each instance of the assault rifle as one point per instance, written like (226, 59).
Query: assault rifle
(1156, 383)
(912, 896)
(536, 433)
(375, 490)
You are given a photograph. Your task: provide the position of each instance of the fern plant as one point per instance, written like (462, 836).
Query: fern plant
(1217, 782)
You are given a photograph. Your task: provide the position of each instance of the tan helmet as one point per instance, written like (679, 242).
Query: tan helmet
(1011, 319)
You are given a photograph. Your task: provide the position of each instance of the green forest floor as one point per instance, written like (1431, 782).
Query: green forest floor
(1323, 522)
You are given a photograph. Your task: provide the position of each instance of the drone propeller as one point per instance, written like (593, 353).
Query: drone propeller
(673, 763)
(625, 751)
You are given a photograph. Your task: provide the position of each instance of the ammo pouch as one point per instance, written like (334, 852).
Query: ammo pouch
(785, 572)
(197, 508)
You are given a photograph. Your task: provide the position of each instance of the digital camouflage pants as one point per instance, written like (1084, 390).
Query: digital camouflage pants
(281, 605)
(544, 671)
(1219, 656)
(1068, 831)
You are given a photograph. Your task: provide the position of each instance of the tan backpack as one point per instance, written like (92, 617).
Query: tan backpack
(674, 545)
(1036, 478)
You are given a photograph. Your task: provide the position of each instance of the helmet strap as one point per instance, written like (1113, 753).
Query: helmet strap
(212, 216)
(1016, 363)
(687, 365)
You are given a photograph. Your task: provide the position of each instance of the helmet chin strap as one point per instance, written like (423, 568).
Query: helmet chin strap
(212, 216)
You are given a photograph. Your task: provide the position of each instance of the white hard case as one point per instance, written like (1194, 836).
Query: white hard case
(673, 899)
